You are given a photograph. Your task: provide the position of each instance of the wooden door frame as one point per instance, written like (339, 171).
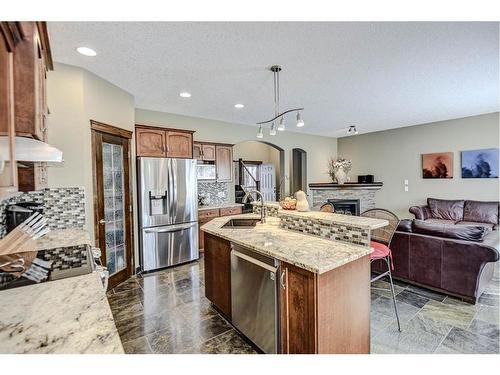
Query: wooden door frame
(96, 127)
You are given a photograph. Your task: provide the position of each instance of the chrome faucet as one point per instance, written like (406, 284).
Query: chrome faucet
(262, 207)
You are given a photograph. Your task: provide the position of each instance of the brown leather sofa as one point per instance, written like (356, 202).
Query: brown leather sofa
(450, 247)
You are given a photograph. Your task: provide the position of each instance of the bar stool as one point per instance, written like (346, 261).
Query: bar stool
(381, 240)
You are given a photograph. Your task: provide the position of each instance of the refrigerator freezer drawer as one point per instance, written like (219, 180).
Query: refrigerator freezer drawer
(169, 245)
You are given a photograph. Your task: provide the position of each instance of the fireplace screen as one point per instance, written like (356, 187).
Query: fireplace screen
(345, 206)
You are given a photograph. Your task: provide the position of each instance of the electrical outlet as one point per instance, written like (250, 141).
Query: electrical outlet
(406, 182)
(406, 188)
(221, 194)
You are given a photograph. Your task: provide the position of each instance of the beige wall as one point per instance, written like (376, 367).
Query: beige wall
(318, 149)
(76, 96)
(395, 155)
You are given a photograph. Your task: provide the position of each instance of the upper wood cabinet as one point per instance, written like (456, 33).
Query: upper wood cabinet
(160, 142)
(204, 151)
(224, 163)
(32, 60)
(8, 169)
(179, 144)
(150, 142)
(25, 59)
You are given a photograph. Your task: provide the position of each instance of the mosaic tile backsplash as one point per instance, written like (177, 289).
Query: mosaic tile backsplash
(65, 258)
(64, 207)
(211, 191)
(337, 232)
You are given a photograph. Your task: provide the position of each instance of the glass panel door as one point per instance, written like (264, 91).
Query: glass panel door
(114, 208)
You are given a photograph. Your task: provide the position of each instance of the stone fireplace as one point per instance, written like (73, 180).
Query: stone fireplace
(364, 192)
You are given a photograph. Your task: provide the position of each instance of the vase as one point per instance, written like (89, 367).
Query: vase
(341, 176)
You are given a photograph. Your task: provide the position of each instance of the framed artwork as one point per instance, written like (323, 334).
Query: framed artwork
(480, 163)
(437, 165)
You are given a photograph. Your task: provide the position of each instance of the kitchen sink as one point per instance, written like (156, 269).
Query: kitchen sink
(241, 223)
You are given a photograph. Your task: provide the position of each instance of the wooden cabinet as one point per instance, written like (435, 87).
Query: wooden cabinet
(224, 163)
(23, 74)
(297, 307)
(197, 151)
(150, 142)
(326, 313)
(218, 273)
(204, 216)
(160, 142)
(179, 144)
(204, 151)
(8, 169)
(228, 211)
(32, 60)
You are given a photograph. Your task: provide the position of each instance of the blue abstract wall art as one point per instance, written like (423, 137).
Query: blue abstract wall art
(480, 163)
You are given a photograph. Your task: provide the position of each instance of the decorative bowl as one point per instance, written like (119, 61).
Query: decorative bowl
(288, 205)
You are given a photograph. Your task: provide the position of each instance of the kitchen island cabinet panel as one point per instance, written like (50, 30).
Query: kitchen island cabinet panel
(297, 306)
(344, 309)
(218, 273)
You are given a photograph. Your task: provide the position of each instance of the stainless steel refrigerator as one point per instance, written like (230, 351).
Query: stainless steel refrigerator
(168, 212)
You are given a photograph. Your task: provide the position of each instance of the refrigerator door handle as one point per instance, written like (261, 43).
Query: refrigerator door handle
(171, 228)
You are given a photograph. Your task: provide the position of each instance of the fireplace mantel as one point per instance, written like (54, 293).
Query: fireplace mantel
(347, 185)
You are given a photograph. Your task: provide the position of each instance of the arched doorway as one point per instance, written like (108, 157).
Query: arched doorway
(259, 164)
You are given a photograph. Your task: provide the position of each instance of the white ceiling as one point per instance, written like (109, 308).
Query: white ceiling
(373, 75)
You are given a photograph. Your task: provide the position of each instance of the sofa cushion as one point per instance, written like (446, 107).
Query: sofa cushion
(481, 212)
(486, 225)
(441, 221)
(404, 225)
(460, 232)
(446, 209)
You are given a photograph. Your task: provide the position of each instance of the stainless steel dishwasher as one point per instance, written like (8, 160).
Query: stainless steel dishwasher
(254, 297)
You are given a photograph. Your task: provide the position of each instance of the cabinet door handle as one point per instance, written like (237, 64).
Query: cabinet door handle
(282, 280)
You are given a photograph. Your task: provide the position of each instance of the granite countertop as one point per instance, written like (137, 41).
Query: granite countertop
(309, 252)
(222, 205)
(66, 316)
(329, 218)
(63, 238)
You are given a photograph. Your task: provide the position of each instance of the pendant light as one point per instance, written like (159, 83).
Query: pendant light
(259, 133)
(272, 131)
(300, 122)
(281, 126)
(276, 69)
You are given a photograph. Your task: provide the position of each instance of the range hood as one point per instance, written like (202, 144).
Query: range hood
(30, 150)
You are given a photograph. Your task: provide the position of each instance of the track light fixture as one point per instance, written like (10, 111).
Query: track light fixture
(277, 115)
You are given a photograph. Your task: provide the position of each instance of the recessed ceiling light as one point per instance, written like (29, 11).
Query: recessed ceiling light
(185, 95)
(239, 106)
(86, 51)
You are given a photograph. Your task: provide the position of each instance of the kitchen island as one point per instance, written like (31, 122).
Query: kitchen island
(324, 285)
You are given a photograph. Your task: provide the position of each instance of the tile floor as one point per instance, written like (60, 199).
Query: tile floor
(166, 312)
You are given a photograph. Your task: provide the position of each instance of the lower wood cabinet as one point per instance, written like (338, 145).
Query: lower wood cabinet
(218, 273)
(327, 313)
(297, 310)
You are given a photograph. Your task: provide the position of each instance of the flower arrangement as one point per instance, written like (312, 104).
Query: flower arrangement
(336, 165)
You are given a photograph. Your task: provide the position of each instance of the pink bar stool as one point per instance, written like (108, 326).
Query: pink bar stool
(381, 240)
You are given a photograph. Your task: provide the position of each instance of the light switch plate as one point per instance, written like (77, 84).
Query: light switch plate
(406, 188)
(406, 182)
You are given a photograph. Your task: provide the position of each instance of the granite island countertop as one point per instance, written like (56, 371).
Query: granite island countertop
(65, 316)
(329, 218)
(309, 252)
(63, 238)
